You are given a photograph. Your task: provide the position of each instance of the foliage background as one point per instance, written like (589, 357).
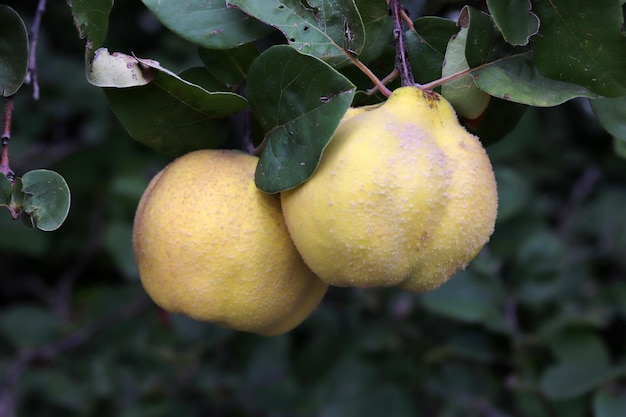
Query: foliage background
(535, 327)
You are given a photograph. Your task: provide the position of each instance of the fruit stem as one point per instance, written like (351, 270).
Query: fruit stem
(443, 80)
(408, 21)
(368, 72)
(389, 78)
(402, 60)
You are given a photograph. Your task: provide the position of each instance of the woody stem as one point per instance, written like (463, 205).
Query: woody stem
(402, 55)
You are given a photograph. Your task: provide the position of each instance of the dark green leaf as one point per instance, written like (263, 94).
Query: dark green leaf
(516, 21)
(468, 297)
(5, 190)
(46, 198)
(508, 73)
(582, 44)
(91, 18)
(17, 195)
(378, 28)
(174, 116)
(571, 379)
(427, 46)
(515, 78)
(537, 268)
(497, 121)
(514, 193)
(118, 243)
(484, 42)
(230, 66)
(299, 100)
(189, 93)
(356, 388)
(27, 326)
(201, 77)
(619, 145)
(583, 364)
(13, 51)
(611, 113)
(209, 24)
(15, 238)
(325, 31)
(609, 403)
(58, 389)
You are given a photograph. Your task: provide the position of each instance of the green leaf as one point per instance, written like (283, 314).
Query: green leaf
(516, 21)
(609, 403)
(209, 24)
(355, 387)
(619, 146)
(201, 77)
(172, 115)
(470, 298)
(582, 44)
(17, 195)
(508, 73)
(427, 46)
(498, 120)
(118, 244)
(46, 199)
(91, 18)
(611, 113)
(299, 100)
(322, 28)
(230, 66)
(5, 190)
(13, 51)
(466, 98)
(378, 28)
(516, 78)
(26, 326)
(484, 43)
(58, 389)
(538, 267)
(514, 193)
(583, 364)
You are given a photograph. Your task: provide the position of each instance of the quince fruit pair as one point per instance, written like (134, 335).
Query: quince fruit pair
(403, 196)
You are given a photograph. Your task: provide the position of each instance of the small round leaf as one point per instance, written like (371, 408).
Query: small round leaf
(46, 198)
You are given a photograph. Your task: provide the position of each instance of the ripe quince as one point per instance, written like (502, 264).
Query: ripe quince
(210, 245)
(403, 196)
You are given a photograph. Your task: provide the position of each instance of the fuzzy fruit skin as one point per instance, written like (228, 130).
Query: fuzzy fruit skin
(403, 195)
(210, 245)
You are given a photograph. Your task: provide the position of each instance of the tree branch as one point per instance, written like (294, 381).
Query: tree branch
(6, 136)
(402, 59)
(33, 34)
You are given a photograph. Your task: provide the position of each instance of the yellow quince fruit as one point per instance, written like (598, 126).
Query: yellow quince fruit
(210, 245)
(403, 195)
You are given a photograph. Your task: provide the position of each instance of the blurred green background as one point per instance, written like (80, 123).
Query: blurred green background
(536, 326)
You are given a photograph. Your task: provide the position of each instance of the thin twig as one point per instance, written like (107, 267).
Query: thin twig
(5, 168)
(402, 52)
(389, 78)
(408, 20)
(31, 75)
(379, 84)
(440, 81)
